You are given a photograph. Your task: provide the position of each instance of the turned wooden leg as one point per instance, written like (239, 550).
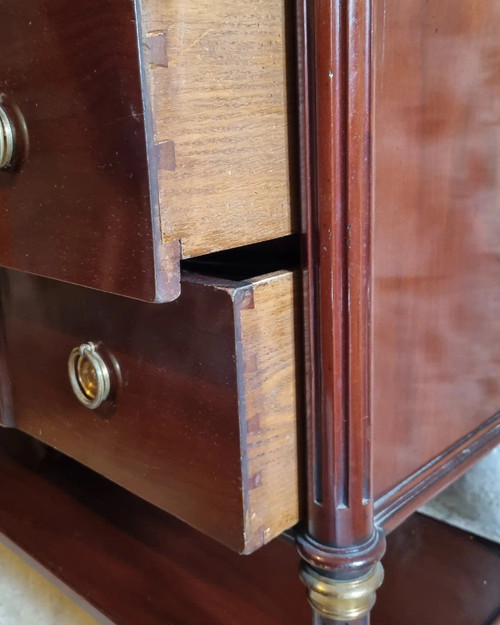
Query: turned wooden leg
(340, 545)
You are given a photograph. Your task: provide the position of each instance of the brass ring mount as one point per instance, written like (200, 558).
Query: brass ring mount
(89, 376)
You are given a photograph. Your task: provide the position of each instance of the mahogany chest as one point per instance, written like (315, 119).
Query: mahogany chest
(250, 260)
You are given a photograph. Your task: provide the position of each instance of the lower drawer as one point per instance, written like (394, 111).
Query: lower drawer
(201, 416)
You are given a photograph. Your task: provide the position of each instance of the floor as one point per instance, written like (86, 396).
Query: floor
(27, 598)
(472, 503)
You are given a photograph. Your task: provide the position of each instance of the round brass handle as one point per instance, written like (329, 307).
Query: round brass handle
(89, 376)
(7, 139)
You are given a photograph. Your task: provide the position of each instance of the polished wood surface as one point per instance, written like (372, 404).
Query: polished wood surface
(438, 574)
(127, 562)
(340, 539)
(78, 208)
(217, 72)
(204, 422)
(436, 220)
(335, 49)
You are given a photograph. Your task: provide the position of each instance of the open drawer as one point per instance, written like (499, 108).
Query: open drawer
(201, 417)
(140, 133)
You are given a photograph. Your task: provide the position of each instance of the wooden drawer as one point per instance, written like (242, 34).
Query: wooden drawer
(145, 131)
(204, 420)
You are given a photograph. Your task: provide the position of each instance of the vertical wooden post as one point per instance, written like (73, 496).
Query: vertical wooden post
(341, 547)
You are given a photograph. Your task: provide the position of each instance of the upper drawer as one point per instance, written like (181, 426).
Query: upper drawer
(203, 421)
(143, 132)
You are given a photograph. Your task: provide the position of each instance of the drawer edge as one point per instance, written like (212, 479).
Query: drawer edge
(266, 320)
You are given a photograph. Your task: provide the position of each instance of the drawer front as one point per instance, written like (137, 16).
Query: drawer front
(202, 415)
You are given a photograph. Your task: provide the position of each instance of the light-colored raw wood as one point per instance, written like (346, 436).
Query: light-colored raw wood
(216, 83)
(269, 407)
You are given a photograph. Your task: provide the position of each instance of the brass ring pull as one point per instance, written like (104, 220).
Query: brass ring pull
(7, 141)
(89, 376)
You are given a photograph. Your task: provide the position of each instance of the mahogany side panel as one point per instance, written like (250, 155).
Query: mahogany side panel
(78, 207)
(436, 237)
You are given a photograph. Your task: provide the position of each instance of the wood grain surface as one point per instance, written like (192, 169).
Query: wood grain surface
(204, 421)
(270, 396)
(436, 216)
(216, 74)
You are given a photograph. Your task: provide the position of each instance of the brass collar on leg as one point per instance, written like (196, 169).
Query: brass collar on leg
(342, 600)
